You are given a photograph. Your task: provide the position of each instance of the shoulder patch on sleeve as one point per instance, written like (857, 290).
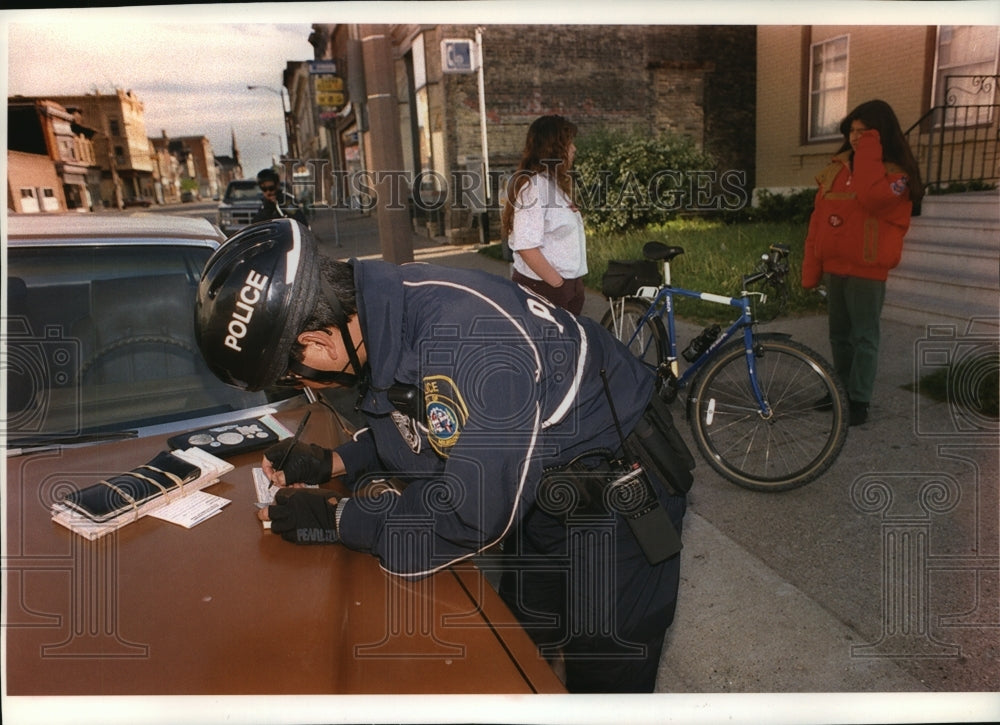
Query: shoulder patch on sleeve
(446, 413)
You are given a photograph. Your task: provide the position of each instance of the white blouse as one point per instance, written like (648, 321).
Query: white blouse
(545, 218)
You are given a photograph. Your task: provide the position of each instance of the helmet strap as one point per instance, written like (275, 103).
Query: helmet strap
(341, 320)
(326, 377)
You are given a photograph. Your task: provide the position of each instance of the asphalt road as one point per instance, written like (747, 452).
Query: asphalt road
(879, 577)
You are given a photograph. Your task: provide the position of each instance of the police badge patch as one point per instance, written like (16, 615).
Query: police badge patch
(446, 413)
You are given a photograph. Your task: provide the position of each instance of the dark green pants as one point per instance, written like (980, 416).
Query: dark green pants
(855, 306)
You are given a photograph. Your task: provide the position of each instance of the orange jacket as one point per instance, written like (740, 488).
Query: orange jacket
(859, 218)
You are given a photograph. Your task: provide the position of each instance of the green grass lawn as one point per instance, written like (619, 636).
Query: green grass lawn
(716, 256)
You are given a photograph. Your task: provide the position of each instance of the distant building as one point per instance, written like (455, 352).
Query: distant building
(48, 139)
(229, 167)
(121, 146)
(196, 161)
(695, 81)
(940, 80)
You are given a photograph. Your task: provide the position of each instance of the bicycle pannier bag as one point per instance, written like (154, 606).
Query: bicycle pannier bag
(625, 278)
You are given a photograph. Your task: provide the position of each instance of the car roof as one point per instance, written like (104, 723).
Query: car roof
(76, 228)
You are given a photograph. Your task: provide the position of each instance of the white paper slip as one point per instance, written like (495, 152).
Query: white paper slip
(192, 509)
(276, 425)
(265, 491)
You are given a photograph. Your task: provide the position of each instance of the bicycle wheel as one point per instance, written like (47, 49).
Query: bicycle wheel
(799, 440)
(649, 344)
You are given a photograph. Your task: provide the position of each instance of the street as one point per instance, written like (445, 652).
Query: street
(879, 577)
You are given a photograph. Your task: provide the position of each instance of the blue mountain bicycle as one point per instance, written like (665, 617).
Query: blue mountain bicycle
(767, 413)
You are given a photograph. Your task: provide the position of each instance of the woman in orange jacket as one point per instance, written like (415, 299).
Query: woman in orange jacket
(863, 206)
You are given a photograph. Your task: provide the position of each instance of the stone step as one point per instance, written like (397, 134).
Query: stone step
(971, 292)
(971, 234)
(949, 266)
(916, 309)
(950, 270)
(971, 205)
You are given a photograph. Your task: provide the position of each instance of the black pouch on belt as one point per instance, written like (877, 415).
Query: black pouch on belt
(606, 485)
(656, 443)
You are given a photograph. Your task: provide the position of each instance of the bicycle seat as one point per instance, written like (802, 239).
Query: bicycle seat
(659, 250)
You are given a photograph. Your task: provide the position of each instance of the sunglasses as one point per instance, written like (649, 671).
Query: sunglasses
(268, 187)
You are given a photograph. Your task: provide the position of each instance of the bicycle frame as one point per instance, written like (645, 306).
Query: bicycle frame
(662, 303)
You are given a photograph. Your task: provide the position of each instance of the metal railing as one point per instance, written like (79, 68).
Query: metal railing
(958, 143)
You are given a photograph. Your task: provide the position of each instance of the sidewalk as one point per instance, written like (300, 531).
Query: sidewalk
(879, 577)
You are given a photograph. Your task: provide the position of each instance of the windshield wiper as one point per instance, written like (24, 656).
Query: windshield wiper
(25, 445)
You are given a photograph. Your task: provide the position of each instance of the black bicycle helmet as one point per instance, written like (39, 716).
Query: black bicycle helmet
(255, 294)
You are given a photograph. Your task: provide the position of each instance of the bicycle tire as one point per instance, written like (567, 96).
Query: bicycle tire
(652, 332)
(805, 432)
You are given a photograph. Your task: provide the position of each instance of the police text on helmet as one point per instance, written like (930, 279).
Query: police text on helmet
(249, 296)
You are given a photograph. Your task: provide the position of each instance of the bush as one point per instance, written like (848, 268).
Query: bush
(715, 258)
(625, 181)
(794, 208)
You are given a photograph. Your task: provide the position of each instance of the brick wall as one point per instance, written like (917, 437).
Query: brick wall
(693, 80)
(36, 172)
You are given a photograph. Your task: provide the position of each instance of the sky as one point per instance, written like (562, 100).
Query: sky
(192, 78)
(190, 65)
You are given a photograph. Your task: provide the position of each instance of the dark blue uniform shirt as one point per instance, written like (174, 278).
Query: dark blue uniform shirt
(510, 385)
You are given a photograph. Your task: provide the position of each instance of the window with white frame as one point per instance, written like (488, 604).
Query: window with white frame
(827, 87)
(966, 72)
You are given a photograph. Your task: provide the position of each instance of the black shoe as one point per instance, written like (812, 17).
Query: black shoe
(859, 413)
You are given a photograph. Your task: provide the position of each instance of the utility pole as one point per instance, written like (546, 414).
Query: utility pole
(386, 147)
(484, 217)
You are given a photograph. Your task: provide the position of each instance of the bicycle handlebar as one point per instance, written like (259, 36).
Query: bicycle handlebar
(773, 267)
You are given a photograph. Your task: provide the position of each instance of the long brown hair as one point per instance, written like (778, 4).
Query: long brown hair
(878, 115)
(546, 149)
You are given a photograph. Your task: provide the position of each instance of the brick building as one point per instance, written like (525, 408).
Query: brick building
(46, 130)
(193, 165)
(121, 147)
(698, 81)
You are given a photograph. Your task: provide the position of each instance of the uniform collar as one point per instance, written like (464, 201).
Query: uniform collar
(379, 293)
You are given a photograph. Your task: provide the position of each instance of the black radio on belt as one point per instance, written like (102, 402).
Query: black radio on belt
(632, 496)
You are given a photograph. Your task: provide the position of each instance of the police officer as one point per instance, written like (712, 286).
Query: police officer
(499, 417)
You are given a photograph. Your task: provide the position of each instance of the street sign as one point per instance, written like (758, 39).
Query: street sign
(323, 67)
(330, 101)
(326, 84)
(458, 56)
(330, 95)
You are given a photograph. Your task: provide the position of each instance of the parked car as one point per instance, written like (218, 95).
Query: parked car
(238, 206)
(100, 328)
(102, 374)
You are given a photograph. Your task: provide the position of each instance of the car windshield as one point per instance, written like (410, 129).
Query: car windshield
(242, 193)
(101, 339)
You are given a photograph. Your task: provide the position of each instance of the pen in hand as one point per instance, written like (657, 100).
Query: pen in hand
(295, 439)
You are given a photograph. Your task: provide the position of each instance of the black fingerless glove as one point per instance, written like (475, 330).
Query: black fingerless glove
(306, 463)
(304, 516)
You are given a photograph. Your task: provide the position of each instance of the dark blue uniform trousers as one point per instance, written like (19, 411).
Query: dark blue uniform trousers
(583, 590)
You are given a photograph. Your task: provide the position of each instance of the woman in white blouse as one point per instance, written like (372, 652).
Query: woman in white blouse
(541, 223)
